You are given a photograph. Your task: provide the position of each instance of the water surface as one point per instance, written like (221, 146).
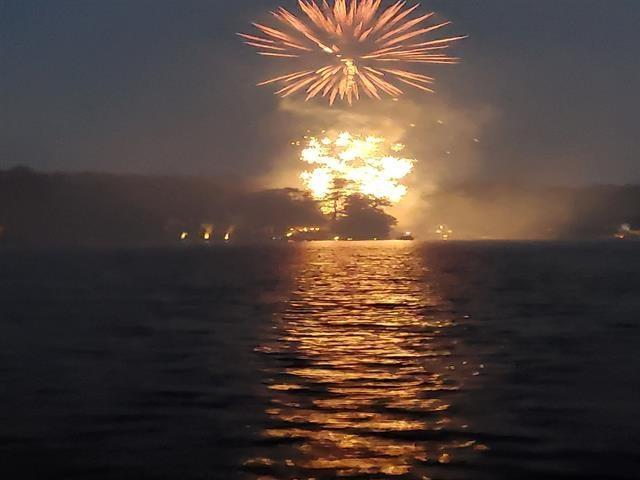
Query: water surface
(325, 360)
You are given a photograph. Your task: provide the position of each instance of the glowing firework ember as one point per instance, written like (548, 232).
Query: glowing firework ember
(352, 47)
(354, 165)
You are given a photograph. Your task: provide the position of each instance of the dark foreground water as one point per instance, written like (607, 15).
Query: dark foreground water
(373, 361)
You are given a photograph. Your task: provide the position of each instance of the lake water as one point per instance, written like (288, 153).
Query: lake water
(376, 360)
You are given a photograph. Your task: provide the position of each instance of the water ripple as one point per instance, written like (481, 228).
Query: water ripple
(360, 376)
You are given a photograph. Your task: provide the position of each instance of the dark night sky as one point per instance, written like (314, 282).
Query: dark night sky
(164, 86)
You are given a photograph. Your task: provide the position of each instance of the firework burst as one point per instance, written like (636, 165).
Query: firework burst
(351, 47)
(349, 164)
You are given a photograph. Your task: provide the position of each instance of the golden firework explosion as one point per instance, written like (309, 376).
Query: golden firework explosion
(347, 47)
(354, 165)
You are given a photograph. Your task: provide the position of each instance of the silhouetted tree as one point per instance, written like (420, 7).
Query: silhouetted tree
(363, 219)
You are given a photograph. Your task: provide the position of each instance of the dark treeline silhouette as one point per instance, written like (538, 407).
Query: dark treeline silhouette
(105, 209)
(102, 209)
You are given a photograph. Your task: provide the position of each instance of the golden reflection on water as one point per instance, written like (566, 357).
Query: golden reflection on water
(363, 371)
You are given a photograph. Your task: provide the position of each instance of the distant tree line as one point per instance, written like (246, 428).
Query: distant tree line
(105, 209)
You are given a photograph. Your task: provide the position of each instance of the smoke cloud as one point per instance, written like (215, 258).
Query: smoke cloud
(444, 138)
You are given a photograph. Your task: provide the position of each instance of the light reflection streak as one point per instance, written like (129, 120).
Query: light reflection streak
(362, 384)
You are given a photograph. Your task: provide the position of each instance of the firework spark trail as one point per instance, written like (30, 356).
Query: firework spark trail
(352, 46)
(355, 165)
